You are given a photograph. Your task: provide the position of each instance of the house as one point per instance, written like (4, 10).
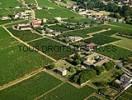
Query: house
(5, 18)
(95, 60)
(124, 82)
(74, 38)
(36, 23)
(22, 27)
(91, 46)
(61, 71)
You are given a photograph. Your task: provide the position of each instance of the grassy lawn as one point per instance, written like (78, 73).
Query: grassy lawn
(24, 35)
(31, 88)
(114, 52)
(127, 95)
(52, 48)
(84, 32)
(14, 62)
(101, 39)
(68, 92)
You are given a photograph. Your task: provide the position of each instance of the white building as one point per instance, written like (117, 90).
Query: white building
(74, 38)
(62, 71)
(22, 27)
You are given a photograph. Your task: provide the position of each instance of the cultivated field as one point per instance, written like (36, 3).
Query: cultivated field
(24, 35)
(31, 88)
(114, 52)
(54, 10)
(68, 92)
(17, 61)
(126, 95)
(84, 32)
(52, 48)
(101, 39)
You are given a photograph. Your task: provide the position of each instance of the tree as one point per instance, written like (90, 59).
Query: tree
(109, 65)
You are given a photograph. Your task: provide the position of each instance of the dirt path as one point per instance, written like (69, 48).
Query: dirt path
(25, 77)
(39, 97)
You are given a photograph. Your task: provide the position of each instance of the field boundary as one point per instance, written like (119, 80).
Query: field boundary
(19, 80)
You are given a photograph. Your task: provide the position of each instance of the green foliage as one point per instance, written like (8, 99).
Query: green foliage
(83, 76)
(110, 65)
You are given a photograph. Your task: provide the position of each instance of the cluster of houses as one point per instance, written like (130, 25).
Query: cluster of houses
(27, 14)
(28, 26)
(49, 32)
(124, 82)
(95, 60)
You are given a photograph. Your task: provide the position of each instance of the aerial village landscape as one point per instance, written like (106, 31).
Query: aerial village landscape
(65, 49)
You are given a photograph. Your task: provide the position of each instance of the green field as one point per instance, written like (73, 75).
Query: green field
(93, 98)
(127, 95)
(59, 28)
(5, 40)
(52, 48)
(84, 32)
(114, 52)
(68, 92)
(54, 10)
(109, 33)
(31, 88)
(24, 35)
(101, 39)
(124, 42)
(14, 62)
(8, 3)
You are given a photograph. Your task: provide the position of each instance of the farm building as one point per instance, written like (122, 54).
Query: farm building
(23, 27)
(61, 71)
(36, 23)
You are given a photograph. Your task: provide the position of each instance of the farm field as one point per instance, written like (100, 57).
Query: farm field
(109, 33)
(8, 3)
(126, 95)
(52, 48)
(68, 92)
(5, 40)
(24, 35)
(84, 32)
(55, 10)
(59, 28)
(93, 98)
(17, 61)
(31, 88)
(101, 39)
(123, 29)
(114, 52)
(124, 42)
